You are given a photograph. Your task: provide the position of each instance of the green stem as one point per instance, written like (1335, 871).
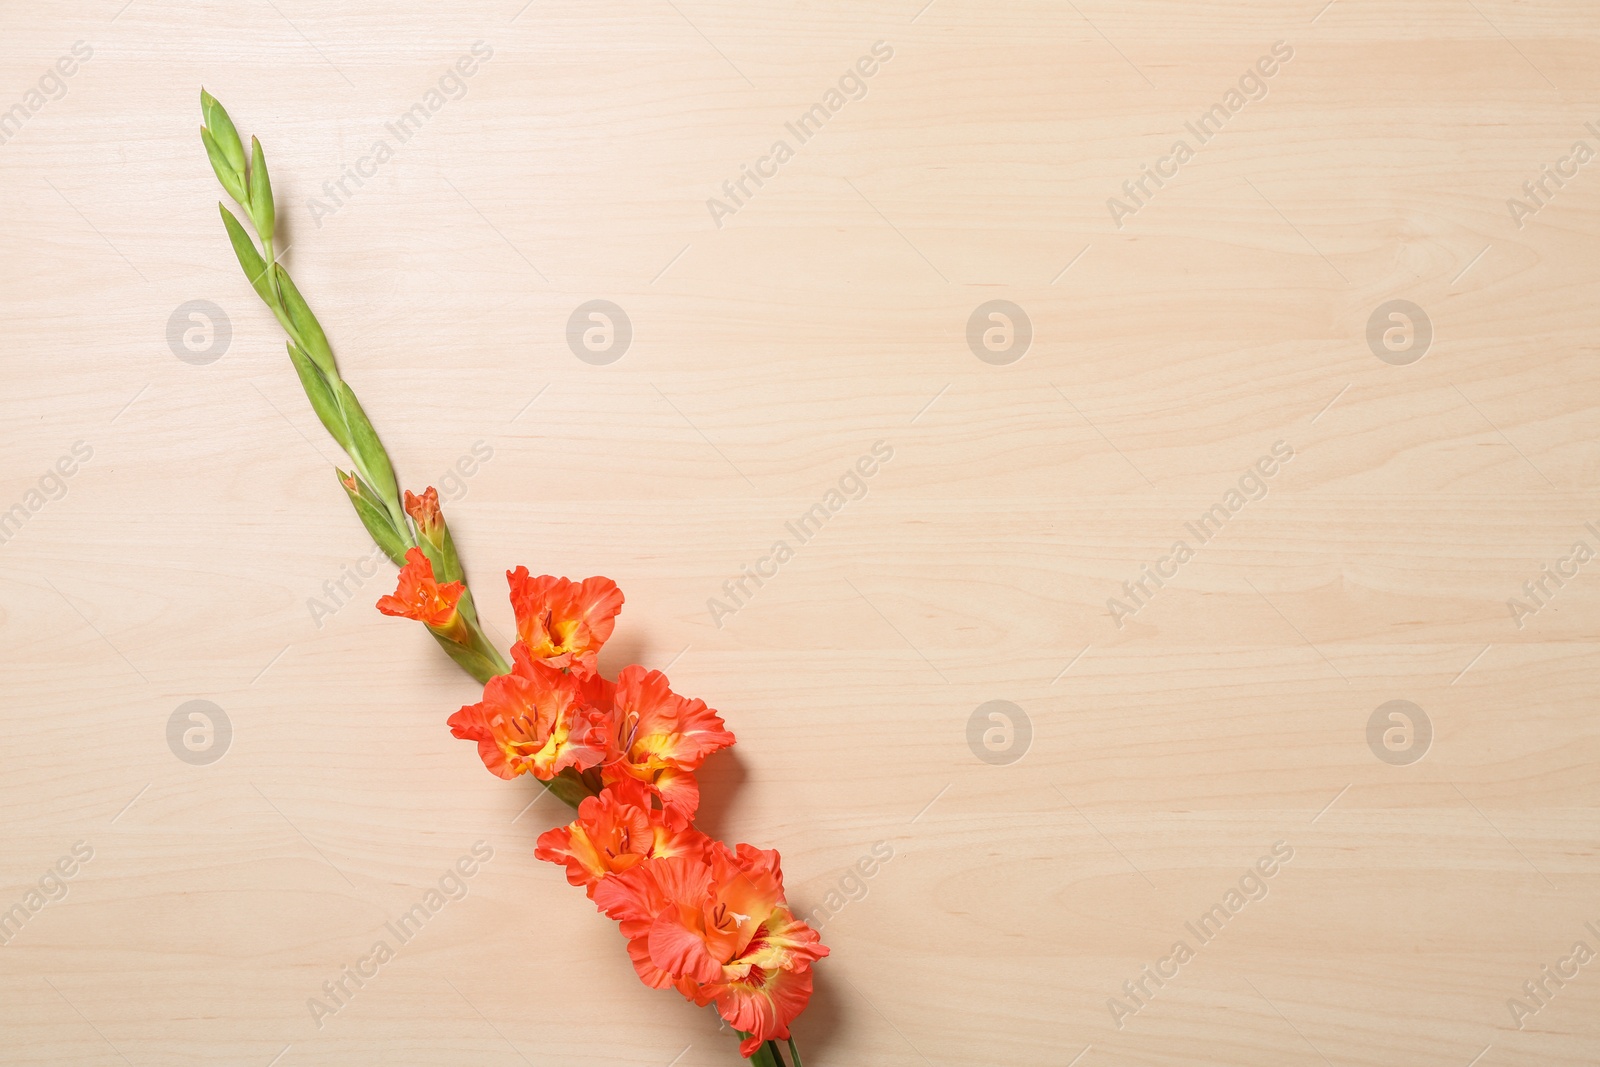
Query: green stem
(570, 788)
(479, 639)
(480, 636)
(397, 516)
(770, 1053)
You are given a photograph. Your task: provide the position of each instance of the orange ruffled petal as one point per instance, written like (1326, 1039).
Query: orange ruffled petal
(424, 510)
(562, 622)
(718, 929)
(615, 831)
(418, 596)
(536, 720)
(660, 738)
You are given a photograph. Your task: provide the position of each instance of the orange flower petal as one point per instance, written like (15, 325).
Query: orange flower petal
(659, 737)
(718, 929)
(616, 830)
(679, 948)
(563, 622)
(418, 596)
(533, 720)
(424, 510)
(765, 1008)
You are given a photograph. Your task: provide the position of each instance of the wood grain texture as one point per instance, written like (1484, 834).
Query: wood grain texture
(1168, 754)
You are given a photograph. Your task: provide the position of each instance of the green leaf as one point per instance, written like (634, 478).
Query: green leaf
(365, 446)
(323, 402)
(260, 188)
(305, 324)
(373, 517)
(222, 131)
(255, 267)
(231, 179)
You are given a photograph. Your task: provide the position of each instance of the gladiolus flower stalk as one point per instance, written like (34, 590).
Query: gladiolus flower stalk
(703, 918)
(371, 486)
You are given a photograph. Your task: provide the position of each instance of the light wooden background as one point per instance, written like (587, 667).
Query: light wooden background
(830, 312)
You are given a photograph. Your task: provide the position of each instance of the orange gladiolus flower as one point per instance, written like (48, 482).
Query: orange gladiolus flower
(537, 720)
(659, 738)
(419, 596)
(560, 621)
(718, 930)
(616, 830)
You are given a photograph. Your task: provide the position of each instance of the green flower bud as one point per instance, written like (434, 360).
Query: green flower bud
(305, 324)
(223, 132)
(260, 189)
(371, 512)
(232, 180)
(365, 447)
(433, 533)
(320, 393)
(250, 259)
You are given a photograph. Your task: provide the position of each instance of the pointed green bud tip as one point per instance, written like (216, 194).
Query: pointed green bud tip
(222, 131)
(312, 339)
(259, 187)
(250, 259)
(321, 396)
(370, 510)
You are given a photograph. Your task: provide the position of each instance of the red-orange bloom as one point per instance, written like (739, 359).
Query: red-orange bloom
(718, 929)
(418, 596)
(424, 510)
(659, 738)
(616, 830)
(537, 720)
(560, 621)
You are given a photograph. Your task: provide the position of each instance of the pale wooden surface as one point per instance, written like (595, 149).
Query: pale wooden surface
(825, 315)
